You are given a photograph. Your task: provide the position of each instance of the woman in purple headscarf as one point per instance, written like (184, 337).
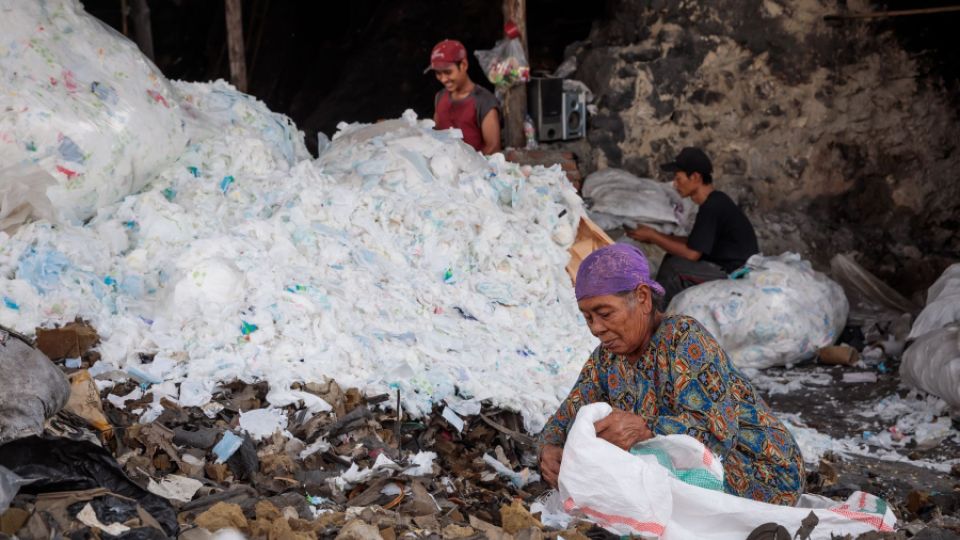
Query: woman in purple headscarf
(668, 375)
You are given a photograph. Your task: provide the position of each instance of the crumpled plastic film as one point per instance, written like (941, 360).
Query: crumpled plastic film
(88, 107)
(619, 198)
(780, 313)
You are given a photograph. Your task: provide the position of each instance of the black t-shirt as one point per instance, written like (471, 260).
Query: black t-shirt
(722, 233)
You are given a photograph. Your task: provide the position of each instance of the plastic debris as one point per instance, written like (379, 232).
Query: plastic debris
(518, 479)
(227, 446)
(860, 377)
(175, 487)
(261, 423)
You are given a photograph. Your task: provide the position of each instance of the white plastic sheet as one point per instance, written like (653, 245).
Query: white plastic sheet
(635, 495)
(620, 198)
(932, 364)
(780, 313)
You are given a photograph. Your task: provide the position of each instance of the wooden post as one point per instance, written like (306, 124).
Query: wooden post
(140, 13)
(238, 64)
(515, 98)
(124, 13)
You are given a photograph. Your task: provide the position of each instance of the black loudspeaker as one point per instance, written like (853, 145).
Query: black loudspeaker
(574, 115)
(546, 107)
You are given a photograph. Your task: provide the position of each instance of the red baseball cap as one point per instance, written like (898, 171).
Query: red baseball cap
(448, 51)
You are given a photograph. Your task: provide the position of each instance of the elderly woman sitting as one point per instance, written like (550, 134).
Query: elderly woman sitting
(668, 375)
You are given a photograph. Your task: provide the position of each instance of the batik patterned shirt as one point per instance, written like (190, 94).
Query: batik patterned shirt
(684, 383)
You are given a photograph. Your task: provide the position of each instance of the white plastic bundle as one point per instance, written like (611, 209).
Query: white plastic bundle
(943, 304)
(780, 313)
(620, 198)
(83, 104)
(932, 364)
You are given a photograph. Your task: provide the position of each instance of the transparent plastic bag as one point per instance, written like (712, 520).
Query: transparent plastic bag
(505, 64)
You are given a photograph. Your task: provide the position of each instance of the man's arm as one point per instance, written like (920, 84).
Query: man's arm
(490, 129)
(674, 245)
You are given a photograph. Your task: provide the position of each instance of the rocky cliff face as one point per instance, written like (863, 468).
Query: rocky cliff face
(828, 135)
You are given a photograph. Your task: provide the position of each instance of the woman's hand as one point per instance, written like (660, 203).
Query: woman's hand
(550, 458)
(623, 429)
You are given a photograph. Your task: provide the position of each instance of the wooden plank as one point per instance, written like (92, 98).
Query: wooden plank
(893, 13)
(238, 64)
(515, 97)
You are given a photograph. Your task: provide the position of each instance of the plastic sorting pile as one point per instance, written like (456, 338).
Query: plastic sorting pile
(94, 120)
(932, 362)
(399, 260)
(779, 313)
(618, 198)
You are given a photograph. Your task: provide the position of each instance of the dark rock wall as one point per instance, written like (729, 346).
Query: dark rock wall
(832, 136)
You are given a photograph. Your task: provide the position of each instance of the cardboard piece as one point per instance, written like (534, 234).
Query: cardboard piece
(71, 340)
(590, 238)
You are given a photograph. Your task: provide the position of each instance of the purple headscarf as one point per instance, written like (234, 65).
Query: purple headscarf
(613, 269)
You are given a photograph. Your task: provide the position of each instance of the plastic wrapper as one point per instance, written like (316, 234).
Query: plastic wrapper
(91, 110)
(932, 364)
(505, 64)
(652, 492)
(618, 198)
(780, 313)
(870, 299)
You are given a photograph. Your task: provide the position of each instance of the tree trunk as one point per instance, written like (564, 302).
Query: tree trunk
(515, 98)
(238, 64)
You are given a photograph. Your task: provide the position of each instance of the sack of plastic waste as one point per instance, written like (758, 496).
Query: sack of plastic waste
(617, 198)
(505, 64)
(91, 110)
(932, 364)
(667, 488)
(943, 304)
(32, 389)
(779, 313)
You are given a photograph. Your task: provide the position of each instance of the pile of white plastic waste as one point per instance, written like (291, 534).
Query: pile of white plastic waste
(932, 362)
(779, 313)
(400, 259)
